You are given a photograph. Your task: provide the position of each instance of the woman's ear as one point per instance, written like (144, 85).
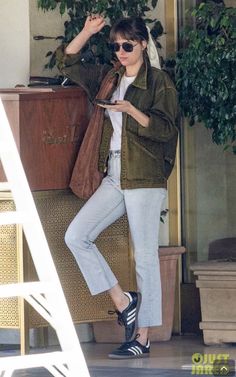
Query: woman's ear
(144, 44)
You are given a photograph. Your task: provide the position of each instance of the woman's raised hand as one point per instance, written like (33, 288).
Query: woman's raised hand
(94, 23)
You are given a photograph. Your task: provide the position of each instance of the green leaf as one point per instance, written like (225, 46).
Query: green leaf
(62, 7)
(154, 3)
(201, 6)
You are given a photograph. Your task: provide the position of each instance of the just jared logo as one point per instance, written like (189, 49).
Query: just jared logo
(212, 364)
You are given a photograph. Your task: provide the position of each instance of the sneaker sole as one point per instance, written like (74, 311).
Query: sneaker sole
(139, 300)
(111, 356)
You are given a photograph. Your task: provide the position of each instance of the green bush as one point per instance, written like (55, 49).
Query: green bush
(206, 72)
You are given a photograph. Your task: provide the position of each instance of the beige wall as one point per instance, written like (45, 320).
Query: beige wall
(209, 192)
(49, 24)
(159, 14)
(14, 42)
(231, 194)
(230, 3)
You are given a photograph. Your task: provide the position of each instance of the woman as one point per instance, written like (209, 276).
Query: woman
(137, 129)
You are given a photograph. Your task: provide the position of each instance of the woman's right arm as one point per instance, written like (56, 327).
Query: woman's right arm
(87, 75)
(93, 25)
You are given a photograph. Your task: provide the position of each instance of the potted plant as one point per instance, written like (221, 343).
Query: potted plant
(205, 71)
(97, 50)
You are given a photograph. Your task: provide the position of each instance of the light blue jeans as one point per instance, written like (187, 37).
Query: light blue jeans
(107, 204)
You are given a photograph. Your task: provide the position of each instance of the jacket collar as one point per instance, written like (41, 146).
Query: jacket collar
(141, 78)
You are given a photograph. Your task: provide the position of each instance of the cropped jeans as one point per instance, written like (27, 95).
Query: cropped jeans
(106, 205)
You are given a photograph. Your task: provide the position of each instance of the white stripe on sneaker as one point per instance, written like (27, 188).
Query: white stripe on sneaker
(138, 349)
(129, 296)
(131, 350)
(131, 320)
(132, 312)
(135, 350)
(131, 317)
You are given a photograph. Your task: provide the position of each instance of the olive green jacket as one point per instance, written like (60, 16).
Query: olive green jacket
(147, 153)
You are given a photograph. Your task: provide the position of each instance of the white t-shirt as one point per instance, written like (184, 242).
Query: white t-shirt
(115, 116)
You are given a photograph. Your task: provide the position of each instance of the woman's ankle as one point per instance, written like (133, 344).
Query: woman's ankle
(143, 335)
(120, 300)
(122, 303)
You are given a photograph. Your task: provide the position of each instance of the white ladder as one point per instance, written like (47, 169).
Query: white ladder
(46, 295)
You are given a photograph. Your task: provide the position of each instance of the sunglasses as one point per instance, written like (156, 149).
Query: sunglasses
(126, 46)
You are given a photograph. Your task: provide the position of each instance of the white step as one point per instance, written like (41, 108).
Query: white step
(4, 186)
(12, 217)
(26, 289)
(34, 361)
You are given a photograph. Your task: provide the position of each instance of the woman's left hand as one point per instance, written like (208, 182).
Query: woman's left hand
(120, 106)
(127, 107)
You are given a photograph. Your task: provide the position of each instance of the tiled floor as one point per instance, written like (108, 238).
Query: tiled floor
(173, 354)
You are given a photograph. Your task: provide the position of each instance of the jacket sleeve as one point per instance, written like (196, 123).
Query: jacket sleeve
(163, 116)
(88, 76)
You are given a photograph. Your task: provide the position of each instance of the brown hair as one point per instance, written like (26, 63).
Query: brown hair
(130, 28)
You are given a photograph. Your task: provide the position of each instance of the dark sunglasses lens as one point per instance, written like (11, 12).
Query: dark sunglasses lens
(114, 47)
(128, 47)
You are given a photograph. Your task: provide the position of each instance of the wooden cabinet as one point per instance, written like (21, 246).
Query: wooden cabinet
(48, 126)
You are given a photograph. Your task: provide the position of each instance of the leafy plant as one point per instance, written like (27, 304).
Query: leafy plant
(164, 213)
(206, 73)
(96, 50)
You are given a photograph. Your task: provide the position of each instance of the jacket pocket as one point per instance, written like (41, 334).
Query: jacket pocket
(143, 164)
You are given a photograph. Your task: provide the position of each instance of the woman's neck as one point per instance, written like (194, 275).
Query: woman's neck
(132, 70)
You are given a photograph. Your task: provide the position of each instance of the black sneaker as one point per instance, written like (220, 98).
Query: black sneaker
(128, 318)
(131, 350)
